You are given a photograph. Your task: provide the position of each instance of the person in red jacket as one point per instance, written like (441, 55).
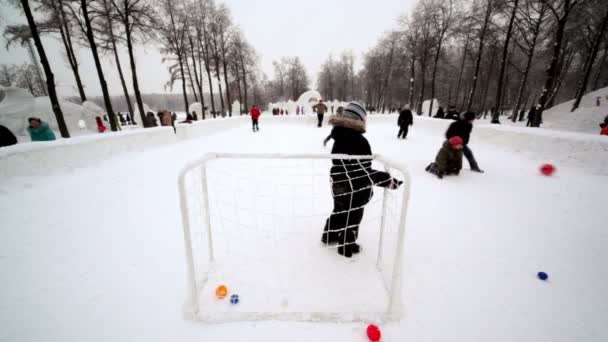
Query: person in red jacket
(604, 126)
(255, 115)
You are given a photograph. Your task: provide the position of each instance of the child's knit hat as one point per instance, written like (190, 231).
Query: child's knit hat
(355, 111)
(455, 141)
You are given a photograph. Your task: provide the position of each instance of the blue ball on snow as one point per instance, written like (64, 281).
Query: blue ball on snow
(234, 299)
(542, 276)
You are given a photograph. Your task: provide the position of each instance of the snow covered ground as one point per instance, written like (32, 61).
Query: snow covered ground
(585, 119)
(96, 253)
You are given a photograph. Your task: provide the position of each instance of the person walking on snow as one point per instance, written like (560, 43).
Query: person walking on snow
(449, 158)
(462, 128)
(39, 130)
(320, 108)
(352, 180)
(339, 111)
(255, 115)
(406, 119)
(100, 126)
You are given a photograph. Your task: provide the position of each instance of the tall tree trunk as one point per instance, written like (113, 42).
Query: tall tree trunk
(462, 64)
(582, 86)
(600, 68)
(66, 38)
(240, 92)
(228, 99)
(552, 70)
(200, 77)
(181, 69)
(118, 65)
(102, 79)
(410, 96)
(198, 82)
(208, 70)
(34, 61)
(482, 36)
(219, 84)
(486, 84)
(122, 77)
(244, 83)
(138, 99)
(530, 54)
(503, 64)
(50, 78)
(190, 79)
(422, 84)
(437, 54)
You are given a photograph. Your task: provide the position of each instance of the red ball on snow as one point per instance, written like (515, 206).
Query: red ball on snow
(547, 169)
(373, 333)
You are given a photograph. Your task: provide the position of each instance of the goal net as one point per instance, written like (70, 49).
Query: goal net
(254, 222)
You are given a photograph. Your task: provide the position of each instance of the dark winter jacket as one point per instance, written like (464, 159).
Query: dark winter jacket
(150, 120)
(7, 138)
(449, 160)
(405, 118)
(351, 174)
(440, 113)
(452, 115)
(42, 133)
(460, 128)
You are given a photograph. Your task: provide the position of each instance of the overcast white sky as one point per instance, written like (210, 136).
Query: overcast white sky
(310, 29)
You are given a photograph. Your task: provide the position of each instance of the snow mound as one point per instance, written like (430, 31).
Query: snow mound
(585, 119)
(71, 113)
(16, 105)
(427, 104)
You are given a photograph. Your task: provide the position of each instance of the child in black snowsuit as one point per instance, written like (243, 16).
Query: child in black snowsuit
(449, 158)
(352, 180)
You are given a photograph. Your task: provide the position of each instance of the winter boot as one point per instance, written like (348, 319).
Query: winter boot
(349, 249)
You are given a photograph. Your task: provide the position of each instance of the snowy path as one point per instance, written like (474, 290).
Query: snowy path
(97, 254)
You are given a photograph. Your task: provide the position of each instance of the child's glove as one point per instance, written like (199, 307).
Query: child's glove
(440, 175)
(395, 184)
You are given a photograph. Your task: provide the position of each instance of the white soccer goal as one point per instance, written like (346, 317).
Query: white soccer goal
(253, 222)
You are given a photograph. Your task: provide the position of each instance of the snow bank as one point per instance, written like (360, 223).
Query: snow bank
(40, 158)
(558, 147)
(561, 148)
(16, 105)
(585, 119)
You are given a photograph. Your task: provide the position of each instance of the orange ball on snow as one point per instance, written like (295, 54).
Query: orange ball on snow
(221, 291)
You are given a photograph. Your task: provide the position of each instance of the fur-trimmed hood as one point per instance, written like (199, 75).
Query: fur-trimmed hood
(341, 121)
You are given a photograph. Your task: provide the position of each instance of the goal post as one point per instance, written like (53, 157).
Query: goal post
(253, 222)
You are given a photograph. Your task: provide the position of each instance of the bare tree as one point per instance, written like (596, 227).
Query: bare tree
(503, 65)
(102, 80)
(172, 31)
(482, 35)
(529, 29)
(138, 19)
(50, 78)
(561, 11)
(597, 40)
(442, 14)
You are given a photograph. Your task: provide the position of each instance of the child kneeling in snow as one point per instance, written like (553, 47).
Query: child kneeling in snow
(449, 158)
(352, 180)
